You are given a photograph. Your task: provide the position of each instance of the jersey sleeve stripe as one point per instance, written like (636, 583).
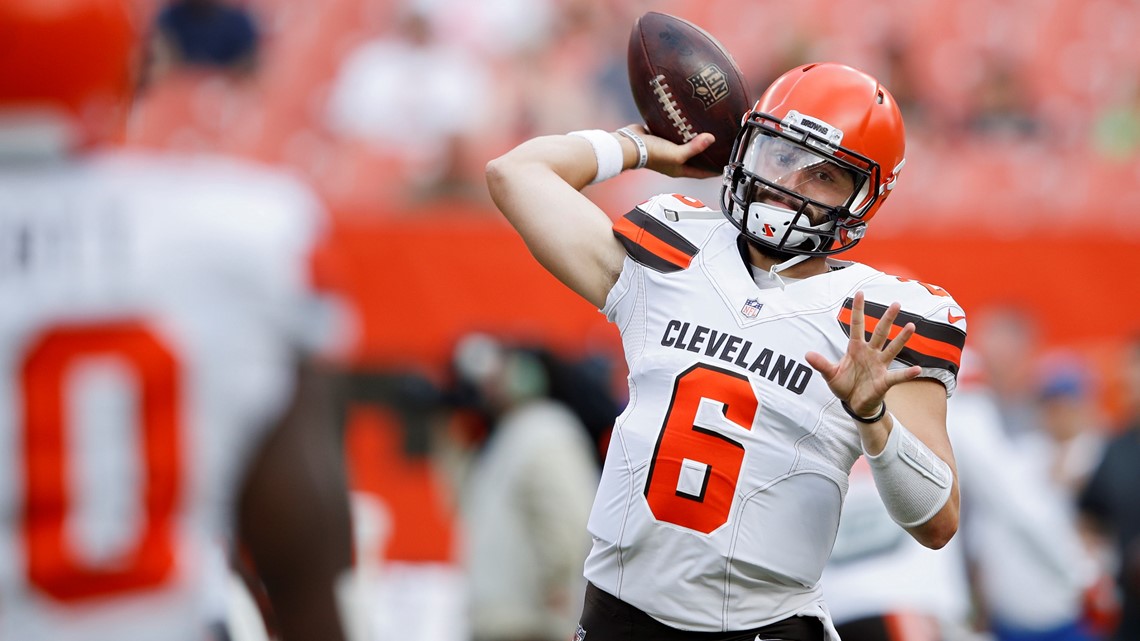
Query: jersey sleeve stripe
(650, 242)
(933, 344)
(661, 231)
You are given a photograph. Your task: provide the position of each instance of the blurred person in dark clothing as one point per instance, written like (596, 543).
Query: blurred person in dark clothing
(584, 387)
(207, 33)
(1110, 500)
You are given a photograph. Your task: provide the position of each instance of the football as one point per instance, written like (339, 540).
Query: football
(685, 83)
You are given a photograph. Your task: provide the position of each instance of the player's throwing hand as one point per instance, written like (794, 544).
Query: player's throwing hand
(672, 159)
(862, 377)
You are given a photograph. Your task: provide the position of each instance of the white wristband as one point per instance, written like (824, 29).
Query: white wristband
(642, 152)
(607, 151)
(912, 480)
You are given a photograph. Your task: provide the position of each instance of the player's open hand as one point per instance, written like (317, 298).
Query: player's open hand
(669, 158)
(862, 377)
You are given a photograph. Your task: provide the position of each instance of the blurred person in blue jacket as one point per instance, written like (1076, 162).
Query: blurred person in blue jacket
(1030, 566)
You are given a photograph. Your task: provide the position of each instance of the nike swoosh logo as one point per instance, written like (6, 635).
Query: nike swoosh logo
(952, 318)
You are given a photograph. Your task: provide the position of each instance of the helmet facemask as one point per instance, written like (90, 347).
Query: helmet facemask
(790, 186)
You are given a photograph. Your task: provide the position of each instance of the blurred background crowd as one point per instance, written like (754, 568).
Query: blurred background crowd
(472, 403)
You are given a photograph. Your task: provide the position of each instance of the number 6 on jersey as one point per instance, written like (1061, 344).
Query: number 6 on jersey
(695, 469)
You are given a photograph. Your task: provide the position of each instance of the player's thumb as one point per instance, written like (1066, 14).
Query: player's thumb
(690, 150)
(820, 363)
(699, 143)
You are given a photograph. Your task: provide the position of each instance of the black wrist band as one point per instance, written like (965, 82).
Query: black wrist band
(873, 419)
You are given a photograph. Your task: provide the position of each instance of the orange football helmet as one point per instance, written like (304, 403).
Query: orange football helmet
(68, 67)
(814, 160)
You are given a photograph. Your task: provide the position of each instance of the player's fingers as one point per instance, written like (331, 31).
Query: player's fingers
(698, 144)
(896, 376)
(857, 331)
(821, 364)
(669, 158)
(892, 350)
(883, 328)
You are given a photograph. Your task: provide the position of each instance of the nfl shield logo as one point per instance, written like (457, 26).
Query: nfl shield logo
(580, 634)
(710, 85)
(751, 308)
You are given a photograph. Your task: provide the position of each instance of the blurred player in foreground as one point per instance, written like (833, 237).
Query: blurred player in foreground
(760, 368)
(152, 316)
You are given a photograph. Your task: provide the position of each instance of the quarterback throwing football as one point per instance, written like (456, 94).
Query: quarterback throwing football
(760, 367)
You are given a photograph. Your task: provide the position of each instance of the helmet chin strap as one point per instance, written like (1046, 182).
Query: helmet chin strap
(789, 260)
(774, 270)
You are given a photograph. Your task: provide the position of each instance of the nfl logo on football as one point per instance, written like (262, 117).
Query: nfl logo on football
(710, 85)
(751, 308)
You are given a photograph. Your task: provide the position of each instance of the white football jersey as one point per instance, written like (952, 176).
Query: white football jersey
(150, 315)
(721, 492)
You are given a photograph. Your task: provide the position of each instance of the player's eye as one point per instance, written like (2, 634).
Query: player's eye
(838, 176)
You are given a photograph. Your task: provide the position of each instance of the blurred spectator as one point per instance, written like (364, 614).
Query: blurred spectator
(206, 33)
(1028, 562)
(525, 500)
(413, 94)
(579, 74)
(497, 29)
(1110, 500)
(1006, 340)
(1002, 110)
(1031, 568)
(584, 387)
(1072, 426)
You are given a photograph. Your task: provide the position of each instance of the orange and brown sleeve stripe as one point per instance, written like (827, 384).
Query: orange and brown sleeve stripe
(934, 345)
(653, 243)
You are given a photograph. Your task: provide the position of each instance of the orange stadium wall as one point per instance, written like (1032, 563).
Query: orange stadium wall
(419, 283)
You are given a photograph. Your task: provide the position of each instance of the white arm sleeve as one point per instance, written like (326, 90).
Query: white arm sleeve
(913, 481)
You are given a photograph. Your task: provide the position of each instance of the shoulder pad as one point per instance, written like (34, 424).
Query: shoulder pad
(652, 236)
(939, 322)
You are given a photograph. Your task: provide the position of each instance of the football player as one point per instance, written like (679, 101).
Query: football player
(153, 396)
(760, 367)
